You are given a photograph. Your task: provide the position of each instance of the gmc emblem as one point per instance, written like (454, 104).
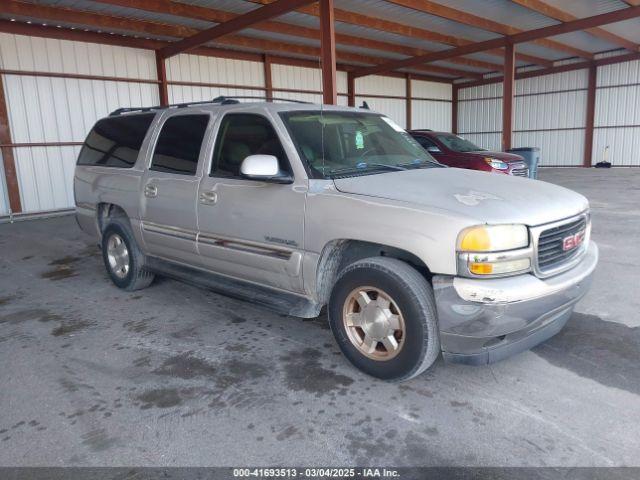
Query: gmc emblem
(572, 241)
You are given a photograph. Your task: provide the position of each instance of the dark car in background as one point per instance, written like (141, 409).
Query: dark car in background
(455, 151)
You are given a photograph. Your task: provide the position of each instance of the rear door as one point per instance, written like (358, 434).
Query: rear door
(170, 187)
(251, 229)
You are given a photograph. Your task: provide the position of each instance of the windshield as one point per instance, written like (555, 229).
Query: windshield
(458, 144)
(347, 143)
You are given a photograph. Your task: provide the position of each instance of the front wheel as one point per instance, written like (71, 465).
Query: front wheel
(382, 313)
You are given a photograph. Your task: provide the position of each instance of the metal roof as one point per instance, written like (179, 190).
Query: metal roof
(503, 11)
(399, 43)
(585, 41)
(408, 16)
(629, 29)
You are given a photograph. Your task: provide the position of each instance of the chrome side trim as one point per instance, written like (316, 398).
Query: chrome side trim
(218, 241)
(86, 206)
(574, 260)
(170, 231)
(244, 246)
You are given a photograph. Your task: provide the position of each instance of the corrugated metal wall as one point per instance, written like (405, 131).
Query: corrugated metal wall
(51, 112)
(431, 105)
(370, 89)
(50, 115)
(480, 115)
(44, 109)
(617, 116)
(222, 71)
(549, 113)
(307, 82)
(54, 110)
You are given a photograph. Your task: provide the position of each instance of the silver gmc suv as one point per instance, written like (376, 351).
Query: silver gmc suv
(297, 206)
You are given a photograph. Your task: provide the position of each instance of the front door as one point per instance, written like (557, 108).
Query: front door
(251, 229)
(170, 188)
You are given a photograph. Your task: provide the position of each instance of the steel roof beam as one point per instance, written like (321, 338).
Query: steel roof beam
(465, 18)
(383, 25)
(146, 28)
(522, 37)
(218, 16)
(239, 23)
(568, 67)
(556, 13)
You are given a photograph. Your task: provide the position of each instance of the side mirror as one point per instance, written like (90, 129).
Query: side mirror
(433, 149)
(264, 168)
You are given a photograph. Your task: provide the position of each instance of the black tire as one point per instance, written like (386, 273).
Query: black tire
(138, 276)
(412, 294)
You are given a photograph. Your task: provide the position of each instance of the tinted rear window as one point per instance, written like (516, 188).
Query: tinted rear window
(115, 142)
(179, 143)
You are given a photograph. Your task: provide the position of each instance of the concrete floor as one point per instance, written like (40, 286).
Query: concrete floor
(175, 375)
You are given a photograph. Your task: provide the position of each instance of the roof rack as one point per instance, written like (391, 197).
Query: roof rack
(267, 99)
(221, 100)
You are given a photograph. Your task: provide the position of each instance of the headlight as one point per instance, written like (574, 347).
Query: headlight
(494, 250)
(495, 163)
(493, 238)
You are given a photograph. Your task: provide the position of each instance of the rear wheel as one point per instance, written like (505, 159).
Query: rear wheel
(123, 259)
(382, 313)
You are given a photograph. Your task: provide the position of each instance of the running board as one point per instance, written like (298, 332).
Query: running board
(275, 300)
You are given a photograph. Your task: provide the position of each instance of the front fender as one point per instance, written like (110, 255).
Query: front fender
(333, 216)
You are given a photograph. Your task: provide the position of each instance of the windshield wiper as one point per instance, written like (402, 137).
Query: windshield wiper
(365, 166)
(420, 163)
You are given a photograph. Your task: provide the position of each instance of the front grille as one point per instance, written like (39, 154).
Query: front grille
(520, 172)
(550, 244)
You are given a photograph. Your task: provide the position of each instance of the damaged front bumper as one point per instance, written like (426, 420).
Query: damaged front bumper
(485, 320)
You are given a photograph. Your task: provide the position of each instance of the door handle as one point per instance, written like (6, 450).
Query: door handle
(208, 198)
(150, 190)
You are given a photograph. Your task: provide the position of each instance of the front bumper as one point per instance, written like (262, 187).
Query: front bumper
(485, 320)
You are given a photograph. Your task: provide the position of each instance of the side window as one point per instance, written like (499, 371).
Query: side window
(425, 142)
(115, 141)
(241, 135)
(178, 146)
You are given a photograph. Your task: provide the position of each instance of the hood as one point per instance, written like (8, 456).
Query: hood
(485, 197)
(505, 157)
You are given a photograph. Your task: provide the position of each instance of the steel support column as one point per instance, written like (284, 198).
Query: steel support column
(163, 89)
(268, 82)
(351, 90)
(507, 95)
(328, 53)
(591, 114)
(409, 100)
(454, 109)
(10, 173)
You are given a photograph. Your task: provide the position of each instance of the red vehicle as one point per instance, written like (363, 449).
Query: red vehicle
(454, 151)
